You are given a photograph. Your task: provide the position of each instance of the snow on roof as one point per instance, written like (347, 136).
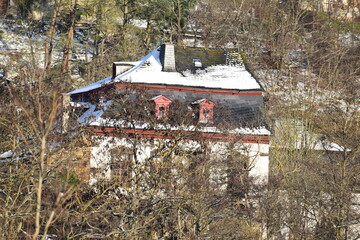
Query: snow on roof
(93, 117)
(156, 97)
(100, 122)
(148, 70)
(109, 80)
(199, 101)
(160, 96)
(92, 114)
(92, 86)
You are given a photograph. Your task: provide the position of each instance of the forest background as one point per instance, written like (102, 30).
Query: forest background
(305, 54)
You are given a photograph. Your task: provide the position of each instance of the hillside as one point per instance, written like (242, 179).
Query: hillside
(304, 55)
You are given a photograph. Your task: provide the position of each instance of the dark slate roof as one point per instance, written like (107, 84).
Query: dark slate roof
(208, 56)
(185, 55)
(240, 110)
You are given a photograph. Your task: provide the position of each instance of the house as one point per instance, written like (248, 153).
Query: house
(196, 95)
(344, 9)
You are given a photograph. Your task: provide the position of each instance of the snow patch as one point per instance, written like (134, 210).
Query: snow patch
(7, 154)
(97, 121)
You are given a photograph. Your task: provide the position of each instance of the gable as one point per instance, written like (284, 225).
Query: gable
(204, 102)
(160, 99)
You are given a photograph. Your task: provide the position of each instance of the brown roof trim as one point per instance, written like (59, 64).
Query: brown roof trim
(177, 88)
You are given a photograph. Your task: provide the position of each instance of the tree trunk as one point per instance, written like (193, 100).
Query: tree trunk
(179, 34)
(50, 43)
(68, 45)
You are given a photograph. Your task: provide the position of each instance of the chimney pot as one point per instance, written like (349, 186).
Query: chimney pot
(169, 58)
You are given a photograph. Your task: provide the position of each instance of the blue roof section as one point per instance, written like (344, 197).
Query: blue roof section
(92, 86)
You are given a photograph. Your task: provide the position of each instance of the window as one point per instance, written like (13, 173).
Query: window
(122, 171)
(161, 106)
(238, 174)
(161, 111)
(206, 115)
(121, 166)
(198, 171)
(206, 110)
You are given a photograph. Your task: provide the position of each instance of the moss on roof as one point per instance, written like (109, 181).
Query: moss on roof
(184, 57)
(208, 56)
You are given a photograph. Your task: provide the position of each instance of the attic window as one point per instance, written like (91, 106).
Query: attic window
(161, 106)
(206, 110)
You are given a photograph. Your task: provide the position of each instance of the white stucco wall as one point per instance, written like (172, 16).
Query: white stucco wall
(101, 154)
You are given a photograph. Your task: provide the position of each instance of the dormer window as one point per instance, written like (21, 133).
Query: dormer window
(206, 110)
(161, 106)
(121, 67)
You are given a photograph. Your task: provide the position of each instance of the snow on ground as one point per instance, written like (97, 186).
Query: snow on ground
(7, 154)
(21, 39)
(14, 40)
(349, 39)
(293, 134)
(301, 88)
